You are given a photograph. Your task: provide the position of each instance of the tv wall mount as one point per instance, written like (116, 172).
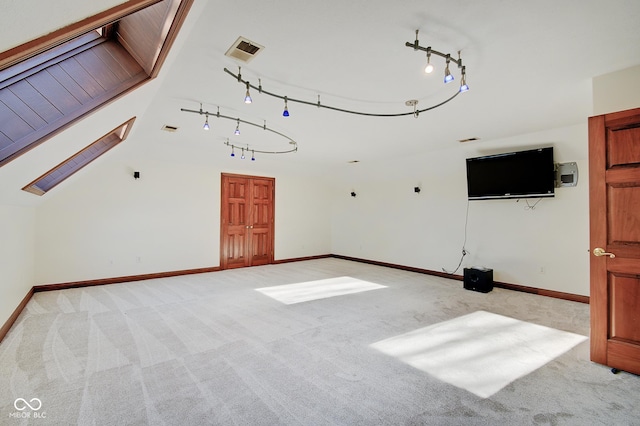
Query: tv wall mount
(566, 174)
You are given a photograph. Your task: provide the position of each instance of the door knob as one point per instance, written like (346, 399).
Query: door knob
(599, 251)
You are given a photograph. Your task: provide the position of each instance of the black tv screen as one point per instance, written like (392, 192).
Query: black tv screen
(522, 174)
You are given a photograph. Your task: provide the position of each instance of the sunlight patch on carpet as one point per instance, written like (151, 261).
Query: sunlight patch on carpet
(480, 352)
(321, 289)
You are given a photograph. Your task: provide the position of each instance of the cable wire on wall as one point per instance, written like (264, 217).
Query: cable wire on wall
(464, 243)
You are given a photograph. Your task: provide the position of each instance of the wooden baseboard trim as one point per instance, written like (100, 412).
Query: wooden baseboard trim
(542, 292)
(402, 267)
(508, 286)
(14, 316)
(117, 280)
(129, 278)
(300, 259)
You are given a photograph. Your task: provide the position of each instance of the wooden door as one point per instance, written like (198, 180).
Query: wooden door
(261, 226)
(614, 198)
(246, 221)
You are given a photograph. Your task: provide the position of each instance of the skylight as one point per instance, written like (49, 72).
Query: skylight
(50, 83)
(62, 171)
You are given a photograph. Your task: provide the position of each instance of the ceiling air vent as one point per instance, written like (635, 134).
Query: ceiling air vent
(168, 128)
(244, 50)
(469, 140)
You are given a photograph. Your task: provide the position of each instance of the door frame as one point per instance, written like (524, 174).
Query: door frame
(605, 349)
(223, 227)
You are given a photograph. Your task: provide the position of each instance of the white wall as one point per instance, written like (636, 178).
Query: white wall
(104, 223)
(107, 224)
(51, 16)
(616, 91)
(303, 217)
(17, 242)
(545, 247)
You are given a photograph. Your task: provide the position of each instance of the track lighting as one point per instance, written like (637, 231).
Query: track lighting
(463, 83)
(293, 145)
(205, 126)
(447, 74)
(242, 155)
(247, 96)
(413, 103)
(429, 68)
(448, 77)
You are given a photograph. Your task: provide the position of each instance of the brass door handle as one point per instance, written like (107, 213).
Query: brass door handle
(599, 251)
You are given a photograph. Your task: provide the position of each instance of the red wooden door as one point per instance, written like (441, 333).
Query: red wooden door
(261, 227)
(246, 221)
(614, 197)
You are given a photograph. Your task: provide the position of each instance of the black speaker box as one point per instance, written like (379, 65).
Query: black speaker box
(478, 279)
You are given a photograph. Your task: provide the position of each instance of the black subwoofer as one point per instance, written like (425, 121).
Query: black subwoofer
(478, 279)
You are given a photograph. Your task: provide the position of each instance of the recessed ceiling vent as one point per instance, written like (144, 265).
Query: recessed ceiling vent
(168, 128)
(244, 50)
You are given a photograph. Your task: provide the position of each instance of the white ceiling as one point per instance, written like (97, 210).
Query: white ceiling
(529, 66)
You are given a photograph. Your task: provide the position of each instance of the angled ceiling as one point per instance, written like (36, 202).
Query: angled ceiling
(529, 67)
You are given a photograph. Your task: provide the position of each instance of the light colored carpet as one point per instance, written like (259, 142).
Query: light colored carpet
(209, 349)
(481, 352)
(319, 289)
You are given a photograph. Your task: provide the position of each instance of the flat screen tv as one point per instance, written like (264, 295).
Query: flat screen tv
(522, 174)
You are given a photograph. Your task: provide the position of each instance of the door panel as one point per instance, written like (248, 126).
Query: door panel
(247, 221)
(623, 228)
(623, 147)
(260, 247)
(235, 202)
(262, 219)
(236, 253)
(614, 197)
(625, 297)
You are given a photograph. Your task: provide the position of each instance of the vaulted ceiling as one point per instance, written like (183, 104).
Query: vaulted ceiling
(529, 66)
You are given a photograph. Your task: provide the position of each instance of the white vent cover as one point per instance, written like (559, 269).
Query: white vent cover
(244, 49)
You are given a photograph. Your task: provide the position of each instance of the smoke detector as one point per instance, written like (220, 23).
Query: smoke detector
(244, 50)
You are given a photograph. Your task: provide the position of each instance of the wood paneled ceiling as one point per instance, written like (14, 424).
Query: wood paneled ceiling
(50, 83)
